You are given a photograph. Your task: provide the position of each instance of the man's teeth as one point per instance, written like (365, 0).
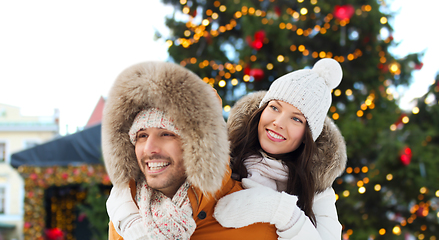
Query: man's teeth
(157, 165)
(274, 135)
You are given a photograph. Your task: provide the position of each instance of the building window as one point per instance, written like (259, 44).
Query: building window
(2, 200)
(2, 152)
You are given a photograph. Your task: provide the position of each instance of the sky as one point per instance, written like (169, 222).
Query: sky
(65, 55)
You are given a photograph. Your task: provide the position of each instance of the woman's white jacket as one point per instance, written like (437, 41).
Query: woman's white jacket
(328, 164)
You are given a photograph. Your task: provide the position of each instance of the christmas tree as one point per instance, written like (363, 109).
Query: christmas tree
(239, 46)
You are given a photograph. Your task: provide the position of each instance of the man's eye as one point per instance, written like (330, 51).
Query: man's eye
(168, 134)
(142, 135)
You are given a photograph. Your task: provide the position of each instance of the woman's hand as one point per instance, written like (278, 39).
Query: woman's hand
(254, 204)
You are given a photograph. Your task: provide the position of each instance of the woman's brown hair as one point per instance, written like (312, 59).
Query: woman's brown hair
(244, 143)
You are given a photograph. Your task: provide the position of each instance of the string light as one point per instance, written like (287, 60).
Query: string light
(394, 68)
(337, 92)
(396, 230)
(38, 179)
(389, 177)
(415, 110)
(377, 187)
(269, 66)
(222, 83)
(280, 58)
(259, 13)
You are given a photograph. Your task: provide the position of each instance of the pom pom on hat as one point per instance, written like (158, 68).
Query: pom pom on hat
(309, 90)
(330, 70)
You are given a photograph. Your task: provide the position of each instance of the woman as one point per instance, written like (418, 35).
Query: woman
(277, 146)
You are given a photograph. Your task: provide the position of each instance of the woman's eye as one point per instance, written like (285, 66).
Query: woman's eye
(273, 107)
(297, 119)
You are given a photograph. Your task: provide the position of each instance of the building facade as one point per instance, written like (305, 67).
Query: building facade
(17, 133)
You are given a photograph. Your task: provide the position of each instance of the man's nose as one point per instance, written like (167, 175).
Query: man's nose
(151, 145)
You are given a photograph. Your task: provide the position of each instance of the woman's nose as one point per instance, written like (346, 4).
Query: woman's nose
(279, 122)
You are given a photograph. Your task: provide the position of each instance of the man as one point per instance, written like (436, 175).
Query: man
(163, 134)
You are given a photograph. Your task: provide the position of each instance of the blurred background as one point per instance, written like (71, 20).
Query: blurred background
(59, 59)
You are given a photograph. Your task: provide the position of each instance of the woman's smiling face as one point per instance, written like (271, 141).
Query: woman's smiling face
(281, 128)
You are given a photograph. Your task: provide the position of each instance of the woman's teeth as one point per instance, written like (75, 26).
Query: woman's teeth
(274, 135)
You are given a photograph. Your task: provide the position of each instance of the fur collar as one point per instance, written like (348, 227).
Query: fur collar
(188, 100)
(329, 162)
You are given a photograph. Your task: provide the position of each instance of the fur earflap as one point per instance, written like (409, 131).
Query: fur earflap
(330, 159)
(191, 103)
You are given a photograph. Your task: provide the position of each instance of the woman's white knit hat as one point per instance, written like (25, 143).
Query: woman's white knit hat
(309, 90)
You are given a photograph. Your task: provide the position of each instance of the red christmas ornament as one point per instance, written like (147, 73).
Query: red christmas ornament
(277, 10)
(366, 39)
(419, 66)
(406, 156)
(383, 68)
(257, 44)
(422, 211)
(81, 217)
(194, 13)
(260, 35)
(258, 40)
(208, 37)
(344, 12)
(257, 74)
(247, 70)
(54, 234)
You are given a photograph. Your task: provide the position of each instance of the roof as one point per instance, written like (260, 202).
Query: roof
(96, 116)
(83, 147)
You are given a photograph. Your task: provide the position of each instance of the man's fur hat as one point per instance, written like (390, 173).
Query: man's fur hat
(184, 97)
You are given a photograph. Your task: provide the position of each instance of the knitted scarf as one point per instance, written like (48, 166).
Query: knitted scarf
(166, 218)
(267, 171)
